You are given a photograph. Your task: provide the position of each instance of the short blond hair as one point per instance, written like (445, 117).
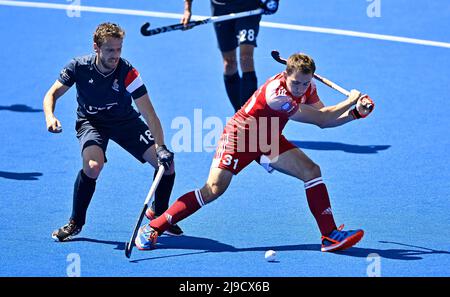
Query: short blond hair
(107, 30)
(300, 62)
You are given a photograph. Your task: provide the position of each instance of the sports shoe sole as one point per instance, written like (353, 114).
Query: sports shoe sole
(56, 238)
(345, 244)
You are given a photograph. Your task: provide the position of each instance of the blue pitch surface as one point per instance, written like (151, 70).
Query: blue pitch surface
(388, 174)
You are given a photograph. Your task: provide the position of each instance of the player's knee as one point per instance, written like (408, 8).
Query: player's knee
(230, 66)
(247, 63)
(311, 171)
(212, 191)
(93, 168)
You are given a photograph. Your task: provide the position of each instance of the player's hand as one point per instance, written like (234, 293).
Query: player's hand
(186, 18)
(354, 96)
(53, 125)
(165, 157)
(364, 106)
(269, 6)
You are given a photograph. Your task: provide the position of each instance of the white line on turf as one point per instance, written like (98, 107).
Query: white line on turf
(263, 23)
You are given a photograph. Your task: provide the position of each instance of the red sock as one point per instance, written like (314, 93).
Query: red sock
(319, 204)
(180, 209)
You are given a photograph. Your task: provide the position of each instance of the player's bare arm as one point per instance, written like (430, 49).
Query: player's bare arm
(187, 12)
(318, 105)
(328, 116)
(145, 107)
(55, 91)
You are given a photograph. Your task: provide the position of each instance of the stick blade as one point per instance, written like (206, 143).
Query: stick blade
(128, 248)
(144, 29)
(276, 56)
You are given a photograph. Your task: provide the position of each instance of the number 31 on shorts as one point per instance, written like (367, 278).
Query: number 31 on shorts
(228, 160)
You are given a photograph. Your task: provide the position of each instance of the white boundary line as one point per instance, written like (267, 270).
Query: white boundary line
(263, 24)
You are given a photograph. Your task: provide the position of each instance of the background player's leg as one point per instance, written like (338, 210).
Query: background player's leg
(297, 164)
(231, 78)
(217, 183)
(249, 82)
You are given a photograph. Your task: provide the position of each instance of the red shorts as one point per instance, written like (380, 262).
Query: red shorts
(229, 158)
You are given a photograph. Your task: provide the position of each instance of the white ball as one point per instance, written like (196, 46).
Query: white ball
(270, 255)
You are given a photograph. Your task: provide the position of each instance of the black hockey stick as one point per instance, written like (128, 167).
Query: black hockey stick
(276, 56)
(129, 245)
(146, 32)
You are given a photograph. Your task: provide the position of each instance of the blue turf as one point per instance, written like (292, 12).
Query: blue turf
(388, 175)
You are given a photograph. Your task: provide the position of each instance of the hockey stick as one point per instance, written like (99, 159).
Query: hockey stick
(276, 55)
(146, 32)
(129, 245)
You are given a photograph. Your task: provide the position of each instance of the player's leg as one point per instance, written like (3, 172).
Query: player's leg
(135, 137)
(249, 81)
(93, 145)
(217, 183)
(296, 163)
(247, 31)
(227, 42)
(226, 163)
(163, 191)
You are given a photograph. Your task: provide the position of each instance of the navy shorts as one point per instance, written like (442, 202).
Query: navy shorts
(132, 135)
(230, 34)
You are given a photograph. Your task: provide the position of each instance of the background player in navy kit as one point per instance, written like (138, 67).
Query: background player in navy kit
(106, 85)
(231, 34)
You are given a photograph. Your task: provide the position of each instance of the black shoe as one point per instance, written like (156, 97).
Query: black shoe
(66, 232)
(174, 230)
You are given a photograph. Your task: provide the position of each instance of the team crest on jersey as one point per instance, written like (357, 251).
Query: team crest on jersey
(115, 85)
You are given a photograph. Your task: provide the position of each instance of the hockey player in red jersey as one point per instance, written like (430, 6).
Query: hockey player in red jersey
(254, 133)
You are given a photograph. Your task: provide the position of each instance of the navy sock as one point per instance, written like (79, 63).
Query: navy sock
(249, 84)
(233, 87)
(83, 191)
(162, 194)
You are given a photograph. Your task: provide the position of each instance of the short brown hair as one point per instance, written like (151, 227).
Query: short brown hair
(300, 62)
(107, 30)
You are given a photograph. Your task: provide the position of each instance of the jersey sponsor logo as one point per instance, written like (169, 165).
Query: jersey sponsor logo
(115, 85)
(95, 109)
